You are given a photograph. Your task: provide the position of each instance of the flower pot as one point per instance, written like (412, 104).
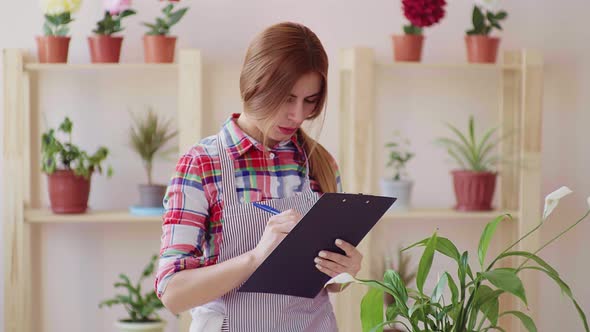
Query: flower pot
(482, 49)
(407, 47)
(158, 49)
(105, 49)
(68, 193)
(401, 190)
(142, 327)
(52, 49)
(474, 190)
(151, 195)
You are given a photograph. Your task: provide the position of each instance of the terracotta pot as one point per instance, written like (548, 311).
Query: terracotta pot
(105, 49)
(158, 49)
(68, 193)
(52, 49)
(482, 49)
(407, 47)
(474, 190)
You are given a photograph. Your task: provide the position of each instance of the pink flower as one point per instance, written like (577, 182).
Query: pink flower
(115, 7)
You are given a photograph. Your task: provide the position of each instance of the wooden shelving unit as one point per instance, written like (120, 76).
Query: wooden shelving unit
(520, 100)
(22, 178)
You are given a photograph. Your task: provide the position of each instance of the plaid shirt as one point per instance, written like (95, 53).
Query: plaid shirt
(192, 229)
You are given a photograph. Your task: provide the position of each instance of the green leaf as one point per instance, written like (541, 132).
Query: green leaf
(506, 279)
(443, 245)
(477, 18)
(453, 288)
(528, 255)
(486, 238)
(393, 280)
(501, 15)
(47, 29)
(425, 263)
(526, 320)
(176, 16)
(53, 19)
(438, 290)
(372, 310)
(486, 301)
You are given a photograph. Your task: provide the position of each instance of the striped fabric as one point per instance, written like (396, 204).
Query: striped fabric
(244, 225)
(193, 224)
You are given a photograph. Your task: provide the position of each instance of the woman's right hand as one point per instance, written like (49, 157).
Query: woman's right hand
(277, 228)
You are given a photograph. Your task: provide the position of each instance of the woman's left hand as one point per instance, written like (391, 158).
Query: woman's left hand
(333, 264)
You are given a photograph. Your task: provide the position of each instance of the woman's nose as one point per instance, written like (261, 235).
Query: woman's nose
(297, 113)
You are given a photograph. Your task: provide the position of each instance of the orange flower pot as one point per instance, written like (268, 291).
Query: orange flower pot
(52, 49)
(105, 49)
(158, 49)
(482, 49)
(474, 190)
(407, 47)
(68, 193)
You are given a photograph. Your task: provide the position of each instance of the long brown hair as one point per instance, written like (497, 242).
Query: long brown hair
(275, 60)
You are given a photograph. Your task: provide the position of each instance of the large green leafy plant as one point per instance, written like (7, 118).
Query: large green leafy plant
(141, 308)
(469, 152)
(63, 155)
(473, 304)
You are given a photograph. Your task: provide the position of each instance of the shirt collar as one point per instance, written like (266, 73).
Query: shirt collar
(237, 142)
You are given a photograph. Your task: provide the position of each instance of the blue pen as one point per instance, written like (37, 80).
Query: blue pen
(266, 208)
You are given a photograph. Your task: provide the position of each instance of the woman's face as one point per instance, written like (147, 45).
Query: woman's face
(299, 106)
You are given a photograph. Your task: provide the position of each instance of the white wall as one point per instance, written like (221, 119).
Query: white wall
(81, 262)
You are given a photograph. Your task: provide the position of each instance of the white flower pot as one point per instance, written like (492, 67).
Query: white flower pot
(141, 327)
(401, 190)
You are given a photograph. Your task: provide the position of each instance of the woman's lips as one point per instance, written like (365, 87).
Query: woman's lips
(287, 130)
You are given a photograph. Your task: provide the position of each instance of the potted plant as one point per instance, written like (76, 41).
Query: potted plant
(53, 46)
(158, 46)
(420, 14)
(474, 184)
(473, 303)
(148, 135)
(398, 185)
(104, 47)
(481, 48)
(141, 308)
(69, 169)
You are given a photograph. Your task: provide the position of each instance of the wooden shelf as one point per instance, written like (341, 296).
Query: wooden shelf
(40, 216)
(466, 66)
(43, 67)
(445, 214)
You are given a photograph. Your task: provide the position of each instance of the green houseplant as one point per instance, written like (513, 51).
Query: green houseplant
(481, 48)
(473, 302)
(104, 46)
(398, 185)
(53, 46)
(475, 182)
(142, 309)
(157, 42)
(406, 272)
(69, 169)
(147, 136)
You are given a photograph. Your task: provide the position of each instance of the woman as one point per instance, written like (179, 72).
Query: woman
(213, 237)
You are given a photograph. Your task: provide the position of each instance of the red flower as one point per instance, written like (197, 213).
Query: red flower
(424, 13)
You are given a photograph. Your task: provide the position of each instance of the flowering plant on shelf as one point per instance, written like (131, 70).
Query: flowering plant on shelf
(115, 11)
(58, 14)
(421, 14)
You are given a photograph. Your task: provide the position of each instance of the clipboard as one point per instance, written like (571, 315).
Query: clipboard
(290, 268)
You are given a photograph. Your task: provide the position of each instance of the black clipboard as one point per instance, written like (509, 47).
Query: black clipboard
(290, 268)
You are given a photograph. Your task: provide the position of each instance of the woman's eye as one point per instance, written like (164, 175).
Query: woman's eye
(311, 101)
(290, 100)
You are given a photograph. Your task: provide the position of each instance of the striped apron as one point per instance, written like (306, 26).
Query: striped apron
(243, 226)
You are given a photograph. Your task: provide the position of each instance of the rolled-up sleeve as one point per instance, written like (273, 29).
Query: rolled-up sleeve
(184, 227)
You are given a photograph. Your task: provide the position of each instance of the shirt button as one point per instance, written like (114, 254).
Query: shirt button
(271, 155)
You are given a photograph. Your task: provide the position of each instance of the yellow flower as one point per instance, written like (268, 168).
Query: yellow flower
(56, 7)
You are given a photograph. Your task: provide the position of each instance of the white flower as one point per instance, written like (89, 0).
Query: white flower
(552, 200)
(488, 5)
(342, 278)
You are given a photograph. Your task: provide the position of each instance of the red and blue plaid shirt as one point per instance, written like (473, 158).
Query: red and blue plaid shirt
(192, 229)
